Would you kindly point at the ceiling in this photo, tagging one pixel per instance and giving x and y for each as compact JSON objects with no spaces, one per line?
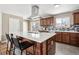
{"x":24,"y":10}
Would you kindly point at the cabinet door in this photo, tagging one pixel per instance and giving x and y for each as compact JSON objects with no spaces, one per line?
{"x":45,"y":21}
{"x":65,"y":37}
{"x":52,"y":20}
{"x":41,"y":22}
{"x":58,"y":37}
{"x":48,"y":21}
{"x":73,"y":38}
{"x":76,"y":18}
{"x":77,"y":39}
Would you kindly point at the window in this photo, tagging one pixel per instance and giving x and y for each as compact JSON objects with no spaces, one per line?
{"x":58,"y":21}
{"x":63,"y":22}
{"x":14,"y":25}
{"x":34,"y":25}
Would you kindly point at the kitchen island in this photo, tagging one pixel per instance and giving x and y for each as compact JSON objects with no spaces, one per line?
{"x":44,"y":42}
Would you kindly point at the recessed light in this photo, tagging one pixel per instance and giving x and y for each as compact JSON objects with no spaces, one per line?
{"x":56,"y":5}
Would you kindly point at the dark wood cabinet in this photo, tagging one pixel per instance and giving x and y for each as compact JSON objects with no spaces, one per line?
{"x":58,"y":37}
{"x":46,"y":21}
{"x":74,"y":39}
{"x":77,"y":39}
{"x":68,"y":38}
{"x":62,"y":37}
{"x":47,"y":47}
{"x":41,"y":22}
{"x":65,"y":37}
{"x":76,"y":18}
{"x":50,"y":21}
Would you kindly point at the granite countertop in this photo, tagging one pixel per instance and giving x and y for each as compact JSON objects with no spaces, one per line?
{"x":37,"y":37}
{"x":71,"y":31}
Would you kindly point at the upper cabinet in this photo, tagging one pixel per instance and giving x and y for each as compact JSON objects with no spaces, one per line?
{"x":46,"y":21}
{"x":76,"y":18}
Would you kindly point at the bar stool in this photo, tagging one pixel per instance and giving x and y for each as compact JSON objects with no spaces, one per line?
{"x":11,"y":44}
{"x":22,"y":45}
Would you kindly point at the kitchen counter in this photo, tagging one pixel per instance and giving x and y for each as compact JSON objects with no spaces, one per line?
{"x":44,"y":42}
{"x":71,"y":31}
{"x":37,"y":37}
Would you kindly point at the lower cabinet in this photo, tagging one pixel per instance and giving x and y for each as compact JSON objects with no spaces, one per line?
{"x":77,"y":39}
{"x":74,"y":39}
{"x":58,"y":37}
{"x":67,"y":37}
{"x":62,"y":37}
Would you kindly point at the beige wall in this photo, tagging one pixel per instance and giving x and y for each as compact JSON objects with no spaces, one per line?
{"x":27,"y":24}
{"x":5,"y":24}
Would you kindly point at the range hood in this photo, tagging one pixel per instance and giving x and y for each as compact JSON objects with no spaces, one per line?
{"x":34,"y":12}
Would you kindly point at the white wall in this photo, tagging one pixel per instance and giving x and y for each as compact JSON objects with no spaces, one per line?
{"x":0,"y":26}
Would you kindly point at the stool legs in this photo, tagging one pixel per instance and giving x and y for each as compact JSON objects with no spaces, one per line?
{"x":7,"y":47}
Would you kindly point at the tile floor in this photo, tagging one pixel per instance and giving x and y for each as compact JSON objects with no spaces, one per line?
{"x":64,"y":49}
